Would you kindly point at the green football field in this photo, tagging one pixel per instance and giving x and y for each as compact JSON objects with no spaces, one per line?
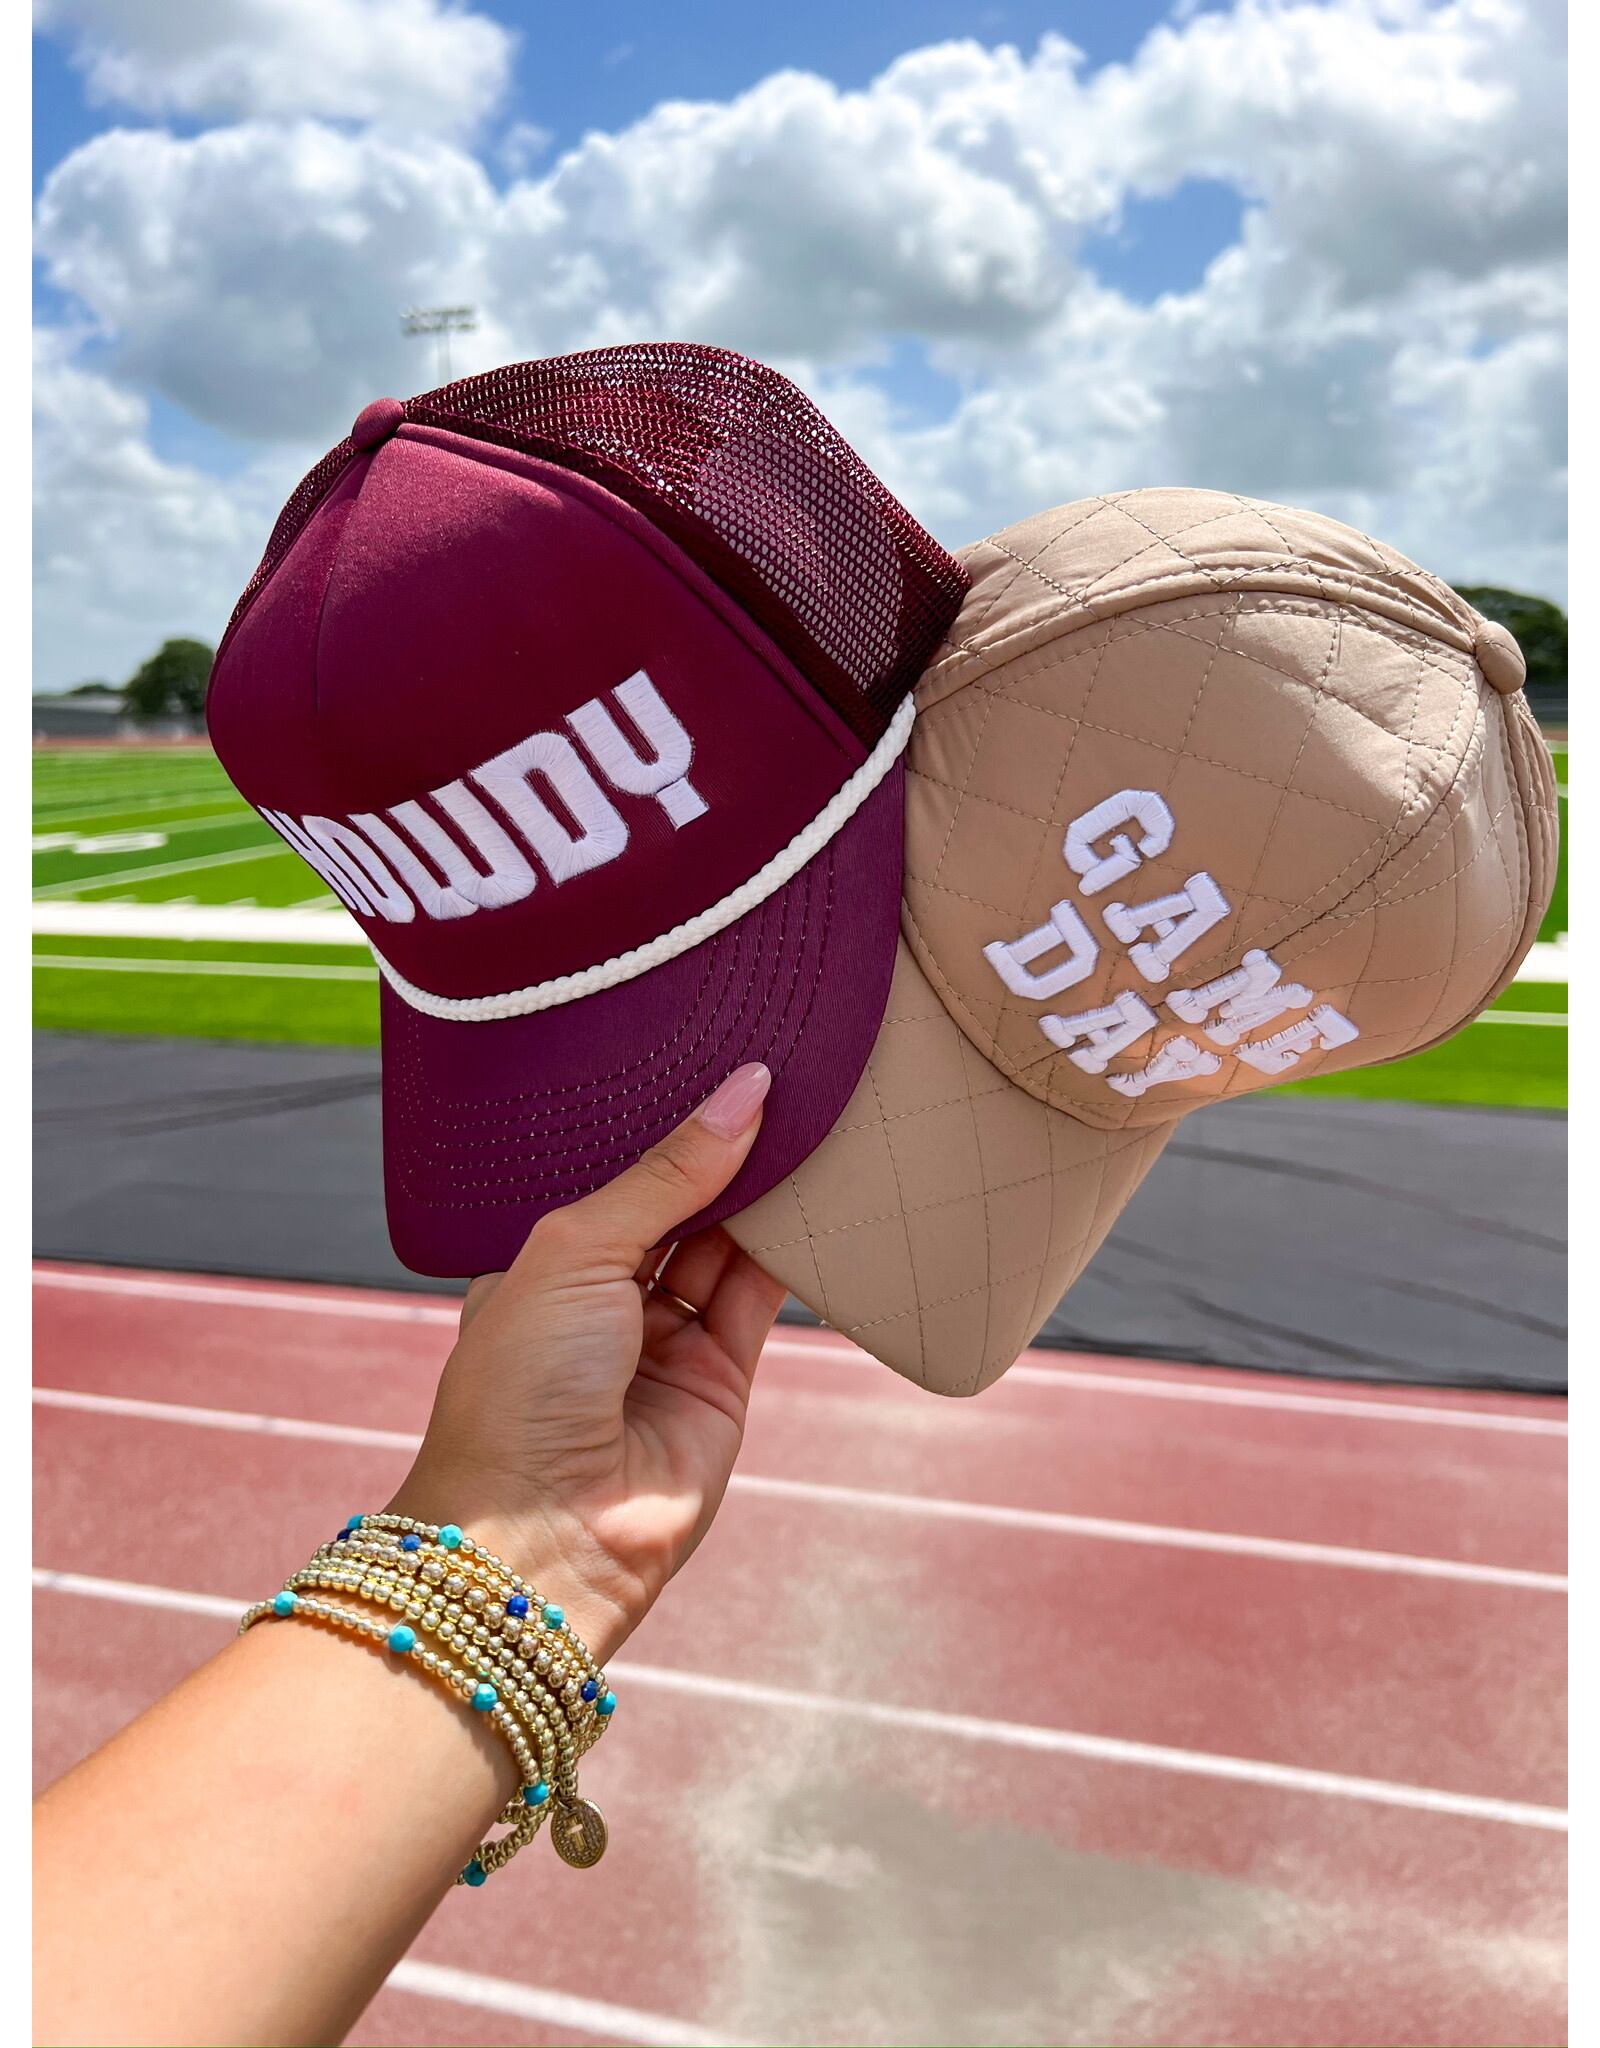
{"x":162,"y":825}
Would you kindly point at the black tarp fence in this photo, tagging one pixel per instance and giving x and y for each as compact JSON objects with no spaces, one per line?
{"x":1342,"y":1238}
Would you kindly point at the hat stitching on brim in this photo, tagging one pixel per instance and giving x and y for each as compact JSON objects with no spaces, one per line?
{"x":683,"y":1051}
{"x":1113,"y":1145}
{"x":472,"y":1132}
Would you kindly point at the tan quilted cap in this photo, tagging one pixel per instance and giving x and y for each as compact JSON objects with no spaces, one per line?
{"x":1204,"y":794}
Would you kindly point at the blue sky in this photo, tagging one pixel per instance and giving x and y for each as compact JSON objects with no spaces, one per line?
{"x":1246,"y":244}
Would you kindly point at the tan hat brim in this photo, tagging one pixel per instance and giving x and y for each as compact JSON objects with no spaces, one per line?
{"x":947,"y":1211}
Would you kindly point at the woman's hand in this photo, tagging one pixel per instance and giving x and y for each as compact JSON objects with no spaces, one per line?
{"x":584,"y":1428}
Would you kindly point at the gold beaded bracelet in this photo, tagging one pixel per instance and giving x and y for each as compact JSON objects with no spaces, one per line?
{"x":469,"y":1605}
{"x":506,"y":1652}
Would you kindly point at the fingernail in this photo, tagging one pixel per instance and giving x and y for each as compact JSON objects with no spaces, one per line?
{"x":729,"y":1111}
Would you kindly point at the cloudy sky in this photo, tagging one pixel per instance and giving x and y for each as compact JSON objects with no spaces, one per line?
{"x":1311,"y":250}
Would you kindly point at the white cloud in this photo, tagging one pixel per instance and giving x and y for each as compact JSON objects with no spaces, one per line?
{"x":407,"y":63}
{"x":1383,"y":340}
{"x":128,"y":549}
{"x":255,"y":274}
{"x":796,"y":220}
{"x":1383,"y":137}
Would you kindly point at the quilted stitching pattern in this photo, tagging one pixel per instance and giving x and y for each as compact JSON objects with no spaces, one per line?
{"x":1107,"y":555}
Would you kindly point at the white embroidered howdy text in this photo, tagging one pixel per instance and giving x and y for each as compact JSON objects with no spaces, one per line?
{"x":538,"y":807}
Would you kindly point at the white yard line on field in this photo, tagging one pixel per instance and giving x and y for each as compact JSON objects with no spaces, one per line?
{"x":1109,"y":1749}
{"x":274,"y":970}
{"x":226,"y":922}
{"x":1547,"y":961}
{"x":224,"y":808}
{"x":271,"y":850}
{"x":107,"y":825}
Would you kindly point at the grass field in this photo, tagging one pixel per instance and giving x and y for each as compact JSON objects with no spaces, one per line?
{"x":133,"y":825}
{"x":164,"y":826}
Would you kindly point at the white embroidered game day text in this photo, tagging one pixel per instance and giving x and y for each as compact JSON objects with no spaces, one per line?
{"x":1099,"y":870}
{"x":1123,"y":1022}
{"x":1066,"y":928}
{"x":1251,"y":995}
{"x":1180,"y":1059}
{"x":1323,"y":1029}
{"x":1178,"y":920}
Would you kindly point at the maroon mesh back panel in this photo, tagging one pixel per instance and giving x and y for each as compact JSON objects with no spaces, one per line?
{"x":750,"y":480}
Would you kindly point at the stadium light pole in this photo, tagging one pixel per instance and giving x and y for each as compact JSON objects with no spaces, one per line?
{"x":442,"y":322}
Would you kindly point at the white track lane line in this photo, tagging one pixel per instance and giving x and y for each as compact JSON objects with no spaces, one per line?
{"x":1043,"y":1520}
{"x":829,"y":1349}
{"x":1194,"y":1763}
{"x":1115,"y":1530}
{"x":549,"y":2008}
{"x":1075,"y":1381}
{"x":201,"y":1292}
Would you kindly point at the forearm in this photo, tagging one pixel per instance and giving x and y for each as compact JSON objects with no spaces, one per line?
{"x":247,"y":1861}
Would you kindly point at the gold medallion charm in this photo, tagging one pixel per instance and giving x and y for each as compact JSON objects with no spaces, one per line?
{"x":579,"y":1833}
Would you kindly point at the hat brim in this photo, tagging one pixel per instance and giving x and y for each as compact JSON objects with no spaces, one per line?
{"x":488,"y":1126}
{"x":947,"y":1211}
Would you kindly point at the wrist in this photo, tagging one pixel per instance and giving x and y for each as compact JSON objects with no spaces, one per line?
{"x":561,"y":1564}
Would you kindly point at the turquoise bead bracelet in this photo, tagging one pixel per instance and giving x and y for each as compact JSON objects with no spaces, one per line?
{"x":365,"y":1558}
{"x":505,"y":1652}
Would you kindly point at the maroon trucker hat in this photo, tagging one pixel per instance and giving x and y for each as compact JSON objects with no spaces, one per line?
{"x":584,"y":684}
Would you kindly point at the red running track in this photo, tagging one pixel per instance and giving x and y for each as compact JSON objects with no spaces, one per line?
{"x":1125,"y":1704}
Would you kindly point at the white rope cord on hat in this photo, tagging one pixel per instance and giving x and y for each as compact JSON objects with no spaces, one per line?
{"x":571,"y":988}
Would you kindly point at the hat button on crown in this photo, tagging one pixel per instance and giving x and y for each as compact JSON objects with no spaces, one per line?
{"x":1500,"y":658}
{"x":376,"y":422}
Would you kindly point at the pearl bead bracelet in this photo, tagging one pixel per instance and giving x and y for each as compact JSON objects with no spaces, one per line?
{"x":506,"y":1652}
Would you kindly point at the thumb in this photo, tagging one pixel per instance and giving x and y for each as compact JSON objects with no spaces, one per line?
{"x":690,"y":1167}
